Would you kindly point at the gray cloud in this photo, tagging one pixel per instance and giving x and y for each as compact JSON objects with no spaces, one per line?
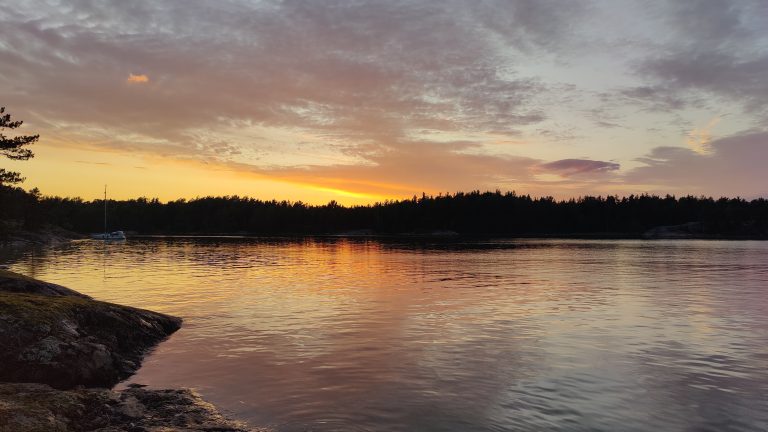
{"x":659,"y":97}
{"x":530,"y":25}
{"x":717,"y":23}
{"x":735,"y":163}
{"x":721,"y":74}
{"x":571,"y":167}
{"x":718,"y":53}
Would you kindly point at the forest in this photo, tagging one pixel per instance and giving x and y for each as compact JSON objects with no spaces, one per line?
{"x":473,"y":213}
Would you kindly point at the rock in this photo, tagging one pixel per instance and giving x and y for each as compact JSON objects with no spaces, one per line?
{"x":13,"y":234}
{"x":54,"y":341}
{"x":14,"y":282}
{"x":131,"y":407}
{"x":38,"y":407}
{"x":53,"y":335}
{"x":682,"y":231}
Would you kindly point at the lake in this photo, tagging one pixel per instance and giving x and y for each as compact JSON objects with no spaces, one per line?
{"x":393,"y":335}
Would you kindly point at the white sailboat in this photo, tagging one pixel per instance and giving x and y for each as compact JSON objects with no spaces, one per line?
{"x":114,"y":235}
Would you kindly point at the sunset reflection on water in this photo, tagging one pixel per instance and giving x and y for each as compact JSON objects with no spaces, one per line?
{"x":340,"y":334}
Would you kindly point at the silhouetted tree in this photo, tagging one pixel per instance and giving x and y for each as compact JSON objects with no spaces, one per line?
{"x":471,"y":213}
{"x":13,"y":147}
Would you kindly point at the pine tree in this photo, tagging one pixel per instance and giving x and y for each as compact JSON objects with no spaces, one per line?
{"x":13,"y":148}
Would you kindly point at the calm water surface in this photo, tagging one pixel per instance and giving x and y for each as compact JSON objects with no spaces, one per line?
{"x":536,"y":335}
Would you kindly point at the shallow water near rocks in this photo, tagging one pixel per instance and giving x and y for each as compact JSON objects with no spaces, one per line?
{"x":341,"y":334}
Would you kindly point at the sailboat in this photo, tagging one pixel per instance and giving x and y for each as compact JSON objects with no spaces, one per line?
{"x":114,"y":235}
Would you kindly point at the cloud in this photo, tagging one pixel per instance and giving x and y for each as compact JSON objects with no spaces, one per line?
{"x":658,"y":97}
{"x":735,"y":163}
{"x":713,"y":54}
{"x":361,"y":80}
{"x":366,"y":72}
{"x":93,"y":163}
{"x":571,"y":167}
{"x":717,"y":23}
{"x":373,"y":94}
{"x":414,"y":168}
{"x":699,"y":139}
{"x":137,"y":79}
{"x":720,"y":74}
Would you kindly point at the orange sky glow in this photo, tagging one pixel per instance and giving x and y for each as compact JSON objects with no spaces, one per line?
{"x":360,"y":102}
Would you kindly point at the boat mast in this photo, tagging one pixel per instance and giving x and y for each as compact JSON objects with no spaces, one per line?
{"x":105,"y":210}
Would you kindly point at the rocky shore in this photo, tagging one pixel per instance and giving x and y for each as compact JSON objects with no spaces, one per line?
{"x":688,"y":230}
{"x":14,"y":235}
{"x":61,"y":352}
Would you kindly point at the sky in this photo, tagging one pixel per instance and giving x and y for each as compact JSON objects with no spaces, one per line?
{"x":366,"y":100}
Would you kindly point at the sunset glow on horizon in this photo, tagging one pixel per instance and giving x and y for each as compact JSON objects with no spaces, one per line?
{"x":365,"y":101}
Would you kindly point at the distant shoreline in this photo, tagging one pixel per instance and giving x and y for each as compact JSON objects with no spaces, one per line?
{"x":456,"y":237}
{"x":44,"y":239}
{"x":468,"y":215}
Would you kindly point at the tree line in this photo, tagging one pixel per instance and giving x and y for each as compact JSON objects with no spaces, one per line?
{"x":472,"y":213}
